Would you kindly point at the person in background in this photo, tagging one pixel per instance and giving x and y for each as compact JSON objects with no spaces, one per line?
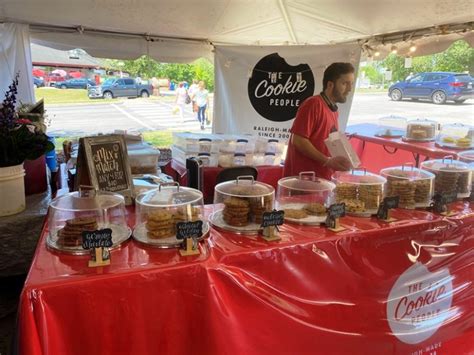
{"x":156,"y":86}
{"x":316,"y":118}
{"x":201,"y":97}
{"x":181,"y":94}
{"x":192,"y":91}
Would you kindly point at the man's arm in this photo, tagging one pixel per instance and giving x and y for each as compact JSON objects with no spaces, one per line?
{"x":305,"y":147}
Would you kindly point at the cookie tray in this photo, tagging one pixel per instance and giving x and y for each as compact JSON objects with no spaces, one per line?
{"x":140,"y":235}
{"x":119,"y":235}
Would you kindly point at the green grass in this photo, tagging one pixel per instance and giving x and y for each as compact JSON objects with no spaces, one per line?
{"x":159,"y":139}
{"x":65,"y":96}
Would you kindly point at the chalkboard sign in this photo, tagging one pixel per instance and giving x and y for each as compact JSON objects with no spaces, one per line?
{"x":387,"y":204}
{"x":273,"y":218}
{"x":101,"y":238}
{"x":440,"y":200}
{"x":188,"y":230}
{"x":103,"y":163}
{"x":337,"y":210}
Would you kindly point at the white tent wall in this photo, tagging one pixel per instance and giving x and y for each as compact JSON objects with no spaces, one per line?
{"x":240,"y":104}
{"x":15,"y":57}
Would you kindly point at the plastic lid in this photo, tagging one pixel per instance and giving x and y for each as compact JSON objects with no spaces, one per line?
{"x":359,"y":177}
{"x":306,"y":181}
{"x":445,"y":164}
{"x":87,"y":200}
{"x":408,"y":172}
{"x":467,"y":156}
{"x":422,"y":121}
{"x":169,"y":195}
{"x":244,"y":186}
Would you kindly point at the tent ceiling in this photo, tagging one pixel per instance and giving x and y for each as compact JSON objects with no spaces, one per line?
{"x":239,"y":22}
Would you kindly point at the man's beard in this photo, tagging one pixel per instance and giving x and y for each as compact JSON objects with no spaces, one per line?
{"x":339,"y":97}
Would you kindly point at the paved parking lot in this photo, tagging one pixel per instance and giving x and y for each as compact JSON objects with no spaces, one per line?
{"x":152,"y":114}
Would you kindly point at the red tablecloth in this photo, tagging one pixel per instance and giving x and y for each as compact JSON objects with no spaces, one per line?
{"x":314,"y":291}
{"x":267,"y":174}
{"x":378,"y":152}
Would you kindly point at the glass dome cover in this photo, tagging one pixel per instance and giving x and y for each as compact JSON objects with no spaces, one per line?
{"x":466,"y":156}
{"x":305,"y":198}
{"x":423,"y":130}
{"x":455,"y":135}
{"x":239,"y":205}
{"x":159,"y":211}
{"x":391,"y":126}
{"x":85,"y":210}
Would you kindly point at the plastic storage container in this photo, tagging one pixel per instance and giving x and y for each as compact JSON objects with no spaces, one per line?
{"x":361,"y":191}
{"x":233,"y":144}
{"x":468,"y":158}
{"x":158,"y":211}
{"x":451,"y":176}
{"x":195,"y":143}
{"x":85,"y":210}
{"x":209,"y":159}
{"x":420,"y":130}
{"x":456,"y":136}
{"x":239,"y":205}
{"x":304,"y":198}
{"x":414,"y":186}
{"x":391,"y":126}
{"x":143,"y":158}
{"x":265,"y":145}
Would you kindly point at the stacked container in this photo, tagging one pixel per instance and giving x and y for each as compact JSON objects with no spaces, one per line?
{"x":158,"y":211}
{"x":414,"y":186}
{"x":304,"y":198}
{"x":361,"y":191}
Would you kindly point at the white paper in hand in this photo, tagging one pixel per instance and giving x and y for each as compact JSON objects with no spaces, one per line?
{"x":339,"y":146}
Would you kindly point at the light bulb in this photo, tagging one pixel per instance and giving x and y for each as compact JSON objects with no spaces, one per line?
{"x":394,"y":50}
{"x":377,"y":54}
{"x":412,"y":48}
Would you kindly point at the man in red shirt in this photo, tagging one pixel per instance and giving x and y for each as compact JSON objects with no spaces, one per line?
{"x":315,"y":120}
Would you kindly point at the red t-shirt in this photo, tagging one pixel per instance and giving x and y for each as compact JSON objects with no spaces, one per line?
{"x":314,"y":120}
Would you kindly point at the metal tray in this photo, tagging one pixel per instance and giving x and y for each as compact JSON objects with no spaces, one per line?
{"x":120,"y":234}
{"x":140,"y":235}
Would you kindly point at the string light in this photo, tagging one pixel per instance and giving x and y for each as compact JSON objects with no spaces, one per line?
{"x":376,"y":54}
{"x":394,"y":49}
{"x":412,"y":48}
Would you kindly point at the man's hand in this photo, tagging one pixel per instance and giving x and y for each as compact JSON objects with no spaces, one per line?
{"x":338,"y":163}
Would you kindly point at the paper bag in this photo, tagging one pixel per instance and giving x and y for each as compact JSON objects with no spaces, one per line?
{"x":339,"y":145}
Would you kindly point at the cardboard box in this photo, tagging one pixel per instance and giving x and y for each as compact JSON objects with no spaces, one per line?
{"x":339,"y":145}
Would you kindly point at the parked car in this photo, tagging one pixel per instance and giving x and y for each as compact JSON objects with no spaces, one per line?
{"x":75,"y":84}
{"x":122,"y":87}
{"x":52,"y":79}
{"x":37,"y":82}
{"x":438,"y":87}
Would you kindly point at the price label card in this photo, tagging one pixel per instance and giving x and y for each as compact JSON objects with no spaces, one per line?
{"x":101,"y":238}
{"x":337,"y":210}
{"x":274,"y":218}
{"x":188,"y":230}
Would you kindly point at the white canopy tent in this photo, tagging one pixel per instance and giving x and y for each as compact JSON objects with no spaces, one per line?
{"x":181,"y":31}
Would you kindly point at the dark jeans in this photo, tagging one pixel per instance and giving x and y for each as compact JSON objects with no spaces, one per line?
{"x":202,"y":114}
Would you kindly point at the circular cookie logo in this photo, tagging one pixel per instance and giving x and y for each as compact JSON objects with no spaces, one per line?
{"x":276,"y":89}
{"x":419,"y":303}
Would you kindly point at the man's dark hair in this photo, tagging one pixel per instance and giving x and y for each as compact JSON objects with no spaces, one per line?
{"x":335,"y":70}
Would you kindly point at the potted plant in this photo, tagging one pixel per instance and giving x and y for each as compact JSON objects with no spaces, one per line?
{"x":20,"y":139}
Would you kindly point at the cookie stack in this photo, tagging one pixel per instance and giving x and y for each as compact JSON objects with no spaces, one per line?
{"x":446,"y":181}
{"x":422,"y":191}
{"x":315,"y":209}
{"x":71,"y":234}
{"x":259,"y":205}
{"x":463,"y":182}
{"x":186,"y":214}
{"x":236,"y":211}
{"x":371,"y":195}
{"x":405,"y":189}
{"x":354,"y":206}
{"x":160,"y":224}
{"x":346,"y":192}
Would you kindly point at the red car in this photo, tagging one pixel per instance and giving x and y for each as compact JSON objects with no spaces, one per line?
{"x":52,"y":78}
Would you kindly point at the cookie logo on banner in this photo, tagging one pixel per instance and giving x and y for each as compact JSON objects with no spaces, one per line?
{"x":276,"y":89}
{"x":419,"y":303}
